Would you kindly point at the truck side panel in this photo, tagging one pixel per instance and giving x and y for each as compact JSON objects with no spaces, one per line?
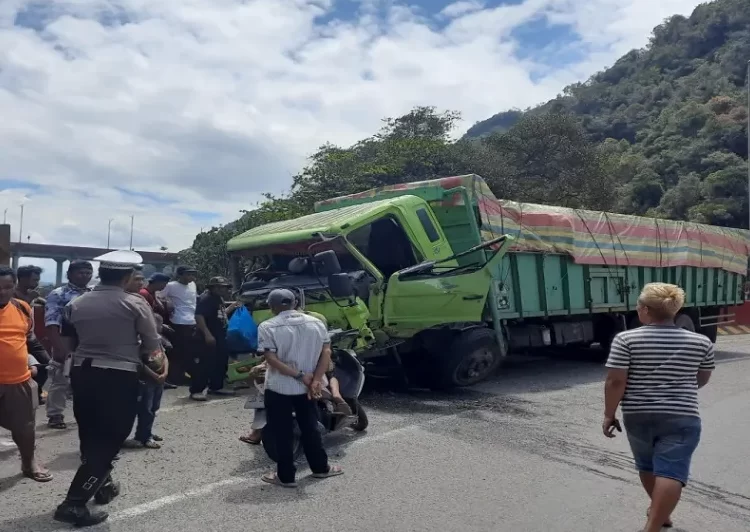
{"x":546,"y":285}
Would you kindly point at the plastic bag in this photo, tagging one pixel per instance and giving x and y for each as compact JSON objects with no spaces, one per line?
{"x":242,"y":332}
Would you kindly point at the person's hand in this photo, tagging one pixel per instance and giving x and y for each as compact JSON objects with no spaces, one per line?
{"x":167,"y":328}
{"x":610,"y":425}
{"x":316,"y":388}
{"x":234,"y":306}
{"x":161,"y":378}
{"x":210,"y":340}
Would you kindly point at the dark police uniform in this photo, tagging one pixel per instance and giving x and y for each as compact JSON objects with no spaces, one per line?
{"x":113,"y":328}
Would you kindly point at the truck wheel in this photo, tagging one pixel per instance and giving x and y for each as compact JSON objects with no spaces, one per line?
{"x":683,"y":321}
{"x":472,"y":357}
{"x":711,"y":332}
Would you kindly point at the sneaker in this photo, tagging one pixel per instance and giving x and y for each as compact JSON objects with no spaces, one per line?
{"x":170,"y":386}
{"x":198,"y":396}
{"x":156,"y":438}
{"x":132,"y":444}
{"x":57,"y":422}
{"x":151,"y":444}
{"x":79,"y":516}
{"x":221,"y":393}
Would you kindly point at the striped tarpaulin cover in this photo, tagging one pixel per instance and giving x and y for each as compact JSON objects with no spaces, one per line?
{"x":592,"y":237}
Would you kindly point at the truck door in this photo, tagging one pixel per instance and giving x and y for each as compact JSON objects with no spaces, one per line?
{"x":418,"y":301}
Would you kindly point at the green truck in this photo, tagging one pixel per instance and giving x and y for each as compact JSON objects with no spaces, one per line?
{"x":443,"y":280}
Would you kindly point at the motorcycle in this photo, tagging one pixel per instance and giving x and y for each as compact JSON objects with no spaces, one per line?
{"x":351,"y":376}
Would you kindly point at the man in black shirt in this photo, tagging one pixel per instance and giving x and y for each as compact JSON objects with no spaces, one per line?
{"x":211,"y":321}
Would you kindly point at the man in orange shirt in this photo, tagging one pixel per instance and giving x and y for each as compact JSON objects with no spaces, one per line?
{"x":18,"y":391}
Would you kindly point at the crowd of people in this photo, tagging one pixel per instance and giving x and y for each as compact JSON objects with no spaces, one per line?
{"x":119,"y":344}
{"x":114,"y":347}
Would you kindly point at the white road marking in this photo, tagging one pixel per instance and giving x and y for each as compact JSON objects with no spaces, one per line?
{"x":157,"y":504}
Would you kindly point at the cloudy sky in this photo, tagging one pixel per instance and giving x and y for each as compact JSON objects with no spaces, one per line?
{"x":182,"y":112}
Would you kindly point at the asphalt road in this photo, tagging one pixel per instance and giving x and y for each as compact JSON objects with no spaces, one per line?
{"x":523,"y":452}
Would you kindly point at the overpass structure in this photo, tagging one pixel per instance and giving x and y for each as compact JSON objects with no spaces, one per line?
{"x":158,"y":259}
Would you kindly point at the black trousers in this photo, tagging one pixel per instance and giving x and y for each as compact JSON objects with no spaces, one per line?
{"x":279,"y":410}
{"x":105,"y":403}
{"x":41,"y":377}
{"x":211,"y":369}
{"x":183,"y":353}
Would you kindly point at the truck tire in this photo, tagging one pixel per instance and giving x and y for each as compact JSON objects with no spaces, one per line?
{"x":684,"y":321}
{"x":711,"y":332}
{"x":472,"y":357}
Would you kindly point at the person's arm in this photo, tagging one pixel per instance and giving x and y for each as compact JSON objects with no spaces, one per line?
{"x":707,"y":367}
{"x":614,"y":386}
{"x":324,"y":362}
{"x":36,"y":349}
{"x":53,"y":324}
{"x":145,"y":326}
{"x":205,"y":307}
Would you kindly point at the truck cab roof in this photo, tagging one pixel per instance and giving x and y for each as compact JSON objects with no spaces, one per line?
{"x":331,"y":222}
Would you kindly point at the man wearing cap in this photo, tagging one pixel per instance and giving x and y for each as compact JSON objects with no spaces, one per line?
{"x":297,"y":349}
{"x":211,"y":320}
{"x":182,"y":295}
{"x":112,"y":328}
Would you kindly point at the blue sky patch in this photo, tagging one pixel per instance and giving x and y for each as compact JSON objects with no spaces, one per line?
{"x":14,"y":184}
{"x":202,"y":217}
{"x":154,"y":198}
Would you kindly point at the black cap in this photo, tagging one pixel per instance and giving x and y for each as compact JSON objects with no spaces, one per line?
{"x":218,"y":281}
{"x":184,"y":270}
{"x":159,"y":278}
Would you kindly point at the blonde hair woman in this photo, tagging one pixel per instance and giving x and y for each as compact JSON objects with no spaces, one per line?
{"x":654,"y":373}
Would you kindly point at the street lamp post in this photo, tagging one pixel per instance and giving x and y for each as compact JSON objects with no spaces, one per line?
{"x":109,"y":230}
{"x":132,"y":221}
{"x":20,"y":226}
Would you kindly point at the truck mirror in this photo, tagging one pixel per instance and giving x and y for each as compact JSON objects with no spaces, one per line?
{"x":327,"y":263}
{"x":340,"y":285}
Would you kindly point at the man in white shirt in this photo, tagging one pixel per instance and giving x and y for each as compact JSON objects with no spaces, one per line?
{"x":182,"y":295}
{"x":297,"y":349}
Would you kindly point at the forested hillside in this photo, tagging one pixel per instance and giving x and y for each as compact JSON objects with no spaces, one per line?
{"x":661,"y":133}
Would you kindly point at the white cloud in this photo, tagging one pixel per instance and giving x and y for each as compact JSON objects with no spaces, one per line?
{"x":209,"y":103}
{"x":461,"y":7}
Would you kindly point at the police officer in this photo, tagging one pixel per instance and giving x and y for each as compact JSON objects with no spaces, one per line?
{"x":113,"y":329}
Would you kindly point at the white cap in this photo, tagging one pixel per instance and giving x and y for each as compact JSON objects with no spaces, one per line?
{"x":122,"y":259}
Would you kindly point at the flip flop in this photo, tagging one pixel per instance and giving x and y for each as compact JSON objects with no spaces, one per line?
{"x":342,"y":408}
{"x":38,"y":476}
{"x":667,"y":524}
{"x":251,"y":441}
{"x":272,"y":478}
{"x":333,"y":471}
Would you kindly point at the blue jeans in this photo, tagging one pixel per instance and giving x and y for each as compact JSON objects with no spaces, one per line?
{"x":149,"y":401}
{"x":663,"y":444}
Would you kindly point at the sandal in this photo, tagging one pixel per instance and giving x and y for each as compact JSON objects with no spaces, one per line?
{"x":252,"y":441}
{"x":342,"y":408}
{"x":273,"y":478}
{"x":41,"y":475}
{"x":667,"y":524}
{"x":333,"y":471}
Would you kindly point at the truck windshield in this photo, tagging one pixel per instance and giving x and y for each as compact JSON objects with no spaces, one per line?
{"x":385,"y":244}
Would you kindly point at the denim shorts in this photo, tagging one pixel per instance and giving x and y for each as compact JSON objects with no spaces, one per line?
{"x":663,"y":444}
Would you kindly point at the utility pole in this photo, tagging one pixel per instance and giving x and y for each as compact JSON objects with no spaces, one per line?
{"x":109,"y":230}
{"x":5,"y":216}
{"x":20,"y":227}
{"x":748,"y":142}
{"x":132,"y":221}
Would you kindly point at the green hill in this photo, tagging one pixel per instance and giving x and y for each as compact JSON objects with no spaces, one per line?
{"x":679,"y":107}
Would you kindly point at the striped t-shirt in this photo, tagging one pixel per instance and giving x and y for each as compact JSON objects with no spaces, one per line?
{"x":662,"y":364}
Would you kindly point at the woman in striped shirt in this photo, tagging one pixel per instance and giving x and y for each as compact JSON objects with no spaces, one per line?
{"x":654,"y":373}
